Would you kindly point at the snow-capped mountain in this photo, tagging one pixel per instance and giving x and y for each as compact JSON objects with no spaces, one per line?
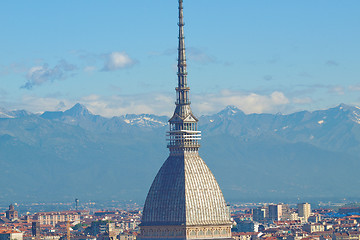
{"x":145,"y":120}
{"x":336,"y":128}
{"x":13,"y":114}
{"x":81,"y":116}
{"x":5,"y":114}
{"x":253,"y":156}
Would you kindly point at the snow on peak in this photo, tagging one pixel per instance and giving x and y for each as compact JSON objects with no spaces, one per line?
{"x":5,"y":115}
{"x":143,"y":120}
{"x":230,"y":110}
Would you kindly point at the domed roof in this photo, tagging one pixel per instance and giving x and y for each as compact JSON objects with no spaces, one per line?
{"x":185,"y":192}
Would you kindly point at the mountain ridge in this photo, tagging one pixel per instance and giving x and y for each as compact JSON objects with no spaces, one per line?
{"x":298,"y":155}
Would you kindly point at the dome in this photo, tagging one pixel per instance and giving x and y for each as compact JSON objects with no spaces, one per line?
{"x":185,"y":192}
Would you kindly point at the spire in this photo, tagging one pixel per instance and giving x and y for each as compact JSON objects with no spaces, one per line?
{"x":183,"y":134}
{"x":182,"y":89}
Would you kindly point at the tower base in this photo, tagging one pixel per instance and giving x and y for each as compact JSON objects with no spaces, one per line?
{"x":210,"y":232}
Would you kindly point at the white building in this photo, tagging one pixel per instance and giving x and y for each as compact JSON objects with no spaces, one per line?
{"x":304,"y":210}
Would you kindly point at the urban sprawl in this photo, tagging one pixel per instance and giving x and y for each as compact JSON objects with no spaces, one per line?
{"x":249,"y":222}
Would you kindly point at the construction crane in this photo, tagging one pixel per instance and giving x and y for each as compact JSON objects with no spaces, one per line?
{"x":68,"y":237}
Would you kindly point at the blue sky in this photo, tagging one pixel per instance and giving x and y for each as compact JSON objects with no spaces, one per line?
{"x":119,"y":57}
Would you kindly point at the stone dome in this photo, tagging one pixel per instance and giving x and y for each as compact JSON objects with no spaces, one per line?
{"x":185,"y":192}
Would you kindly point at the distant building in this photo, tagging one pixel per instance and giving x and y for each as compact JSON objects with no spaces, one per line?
{"x":314,"y":218}
{"x":35,"y":228}
{"x":105,"y":213}
{"x":11,"y":235}
{"x":83,"y":237}
{"x":12,"y":214}
{"x":98,"y":227}
{"x":247,"y":226}
{"x":347,"y":210}
{"x":243,"y":217}
{"x":110,"y":232}
{"x":294,"y":216}
{"x":304,"y":210}
{"x":52,"y":218}
{"x":313,"y":227}
{"x":259,"y":214}
{"x":287,"y":213}
{"x":77,"y":204}
{"x":127,"y":236}
{"x":275,"y":212}
{"x":245,"y":236}
{"x":351,"y":235}
{"x":129,"y":224}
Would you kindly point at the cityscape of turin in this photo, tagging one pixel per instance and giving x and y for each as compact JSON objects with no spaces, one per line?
{"x":96,"y":144}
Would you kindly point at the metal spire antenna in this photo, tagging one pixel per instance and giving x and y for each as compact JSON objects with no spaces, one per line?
{"x":182,"y":90}
{"x":183,"y":134}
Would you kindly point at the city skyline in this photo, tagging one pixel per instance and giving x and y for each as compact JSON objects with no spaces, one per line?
{"x":269,"y":57}
{"x":248,"y":220}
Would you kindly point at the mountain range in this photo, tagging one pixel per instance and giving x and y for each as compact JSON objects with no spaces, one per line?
{"x":59,"y":156}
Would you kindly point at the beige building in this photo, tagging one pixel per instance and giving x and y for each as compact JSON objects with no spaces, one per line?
{"x":11,"y":235}
{"x":43,"y":237}
{"x":127,"y":236}
{"x":304,"y":210}
{"x":294,"y":216}
{"x":245,"y":236}
{"x":52,"y":218}
{"x":313,"y":227}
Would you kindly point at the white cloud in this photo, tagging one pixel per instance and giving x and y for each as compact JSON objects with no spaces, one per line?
{"x":151,"y":103}
{"x":305,"y":100}
{"x":89,"y":69}
{"x":38,"y":75}
{"x":163,"y":103}
{"x":339,"y":90}
{"x":37,"y":104}
{"x":107,"y":106}
{"x":247,"y":102}
{"x":354,"y":88}
{"x":117,"y":60}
